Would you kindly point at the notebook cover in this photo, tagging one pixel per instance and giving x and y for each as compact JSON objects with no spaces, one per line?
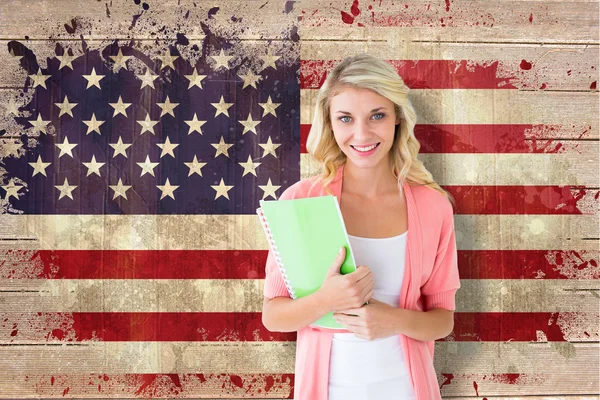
{"x":308,"y":234}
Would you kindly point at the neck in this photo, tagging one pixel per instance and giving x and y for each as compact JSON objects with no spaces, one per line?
{"x":369,"y":182}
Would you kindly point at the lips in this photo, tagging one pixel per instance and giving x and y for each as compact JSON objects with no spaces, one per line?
{"x":360,"y":148}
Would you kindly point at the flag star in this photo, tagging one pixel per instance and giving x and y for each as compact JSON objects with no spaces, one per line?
{"x":147,"y":125}
{"x":167,"y":148}
{"x":195,"y":166}
{"x":66,"y":107}
{"x":269,"y":107}
{"x":39,"y":79}
{"x":167,"y":61}
{"x":269,"y":190}
{"x":12,"y":190}
{"x":221,"y":107}
{"x":39,"y":167}
{"x":222,"y":189}
{"x":269,"y":147}
{"x":39,"y":125}
{"x":93,"y":166}
{"x":222,"y":60}
{"x":66,"y":189}
{"x":120,"y":189}
{"x":119,"y":147}
{"x":9,"y":148}
{"x":147,"y":166}
{"x":269,"y":60}
{"x":167,"y":107}
{"x":93,"y":125}
{"x":222,"y":147}
{"x":120,"y":60}
{"x":195,"y":79}
{"x":65,"y":61}
{"x":93,"y":79}
{"x":250,"y":79}
{"x":249,"y":125}
{"x":195,"y":125}
{"x":11,"y":108}
{"x":120,"y":107}
{"x":249,"y":166}
{"x":167,"y":190}
{"x":65,"y":147}
{"x":147,"y":79}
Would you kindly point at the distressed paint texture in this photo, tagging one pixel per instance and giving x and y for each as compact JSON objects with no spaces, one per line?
{"x":147,"y":306}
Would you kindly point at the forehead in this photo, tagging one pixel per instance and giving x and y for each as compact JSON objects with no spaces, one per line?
{"x":357,"y":99}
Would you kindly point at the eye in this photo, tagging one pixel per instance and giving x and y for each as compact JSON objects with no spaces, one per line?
{"x":379,"y":114}
{"x":342,"y":118}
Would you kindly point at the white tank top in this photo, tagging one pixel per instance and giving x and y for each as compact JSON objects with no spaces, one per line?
{"x":363,"y":369}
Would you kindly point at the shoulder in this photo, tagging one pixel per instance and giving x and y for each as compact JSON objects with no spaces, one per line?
{"x":432,"y":201}
{"x":303,"y":188}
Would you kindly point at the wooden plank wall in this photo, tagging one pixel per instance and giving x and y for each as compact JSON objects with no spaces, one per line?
{"x":546,"y":51}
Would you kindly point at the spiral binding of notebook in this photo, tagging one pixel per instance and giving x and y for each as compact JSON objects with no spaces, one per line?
{"x":276,"y":255}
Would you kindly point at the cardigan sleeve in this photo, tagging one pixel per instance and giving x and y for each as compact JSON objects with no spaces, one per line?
{"x":274,"y":285}
{"x":440,"y":289}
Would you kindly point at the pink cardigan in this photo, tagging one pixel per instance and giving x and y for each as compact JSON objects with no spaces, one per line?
{"x":430,"y":280}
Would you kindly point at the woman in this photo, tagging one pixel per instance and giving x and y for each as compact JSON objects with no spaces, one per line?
{"x":400,"y":226}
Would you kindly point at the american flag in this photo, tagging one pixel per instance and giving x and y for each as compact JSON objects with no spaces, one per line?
{"x":138,"y":189}
{"x":142,"y":287}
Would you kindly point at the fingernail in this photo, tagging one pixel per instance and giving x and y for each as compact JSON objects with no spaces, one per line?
{"x":341,"y":250}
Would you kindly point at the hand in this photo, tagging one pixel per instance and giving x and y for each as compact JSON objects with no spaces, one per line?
{"x":341,"y":292}
{"x":371,"y":321}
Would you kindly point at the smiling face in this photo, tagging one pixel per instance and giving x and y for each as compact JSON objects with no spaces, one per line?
{"x":363,"y":124}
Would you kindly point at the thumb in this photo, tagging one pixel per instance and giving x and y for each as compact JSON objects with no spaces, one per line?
{"x":334,"y":269}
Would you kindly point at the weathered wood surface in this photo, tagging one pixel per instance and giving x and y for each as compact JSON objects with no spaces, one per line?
{"x":558,"y":39}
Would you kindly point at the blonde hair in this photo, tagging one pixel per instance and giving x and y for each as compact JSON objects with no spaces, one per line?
{"x":368,"y":72}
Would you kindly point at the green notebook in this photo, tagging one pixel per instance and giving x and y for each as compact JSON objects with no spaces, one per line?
{"x":305,"y":236}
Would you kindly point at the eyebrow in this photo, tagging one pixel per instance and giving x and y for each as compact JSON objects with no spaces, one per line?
{"x":373,"y":110}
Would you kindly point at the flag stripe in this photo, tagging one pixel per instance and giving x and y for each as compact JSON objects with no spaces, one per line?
{"x":250,"y":264}
{"x":23,"y":328}
{"x":246,"y":295}
{"x":463,"y":74}
{"x":490,"y":106}
{"x":491,"y":138}
{"x":503,"y":169}
{"x":278,"y":357}
{"x":244,"y":232}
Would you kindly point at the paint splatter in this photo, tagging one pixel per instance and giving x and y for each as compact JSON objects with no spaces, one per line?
{"x":347,"y":18}
{"x":593,"y":85}
{"x":525,"y":65}
{"x":531,"y":18}
{"x":354,"y":9}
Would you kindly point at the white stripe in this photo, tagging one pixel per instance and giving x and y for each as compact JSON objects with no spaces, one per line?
{"x":246,"y":295}
{"x":579,"y":167}
{"x":490,"y":106}
{"x":244,"y":232}
{"x":278,"y":358}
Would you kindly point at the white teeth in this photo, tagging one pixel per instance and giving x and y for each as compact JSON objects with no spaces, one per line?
{"x":365,"y":149}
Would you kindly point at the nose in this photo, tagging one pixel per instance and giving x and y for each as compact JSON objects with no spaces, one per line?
{"x":361,"y":130}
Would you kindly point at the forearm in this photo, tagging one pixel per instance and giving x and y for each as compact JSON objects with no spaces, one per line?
{"x":283,"y":314}
{"x":423,"y":325}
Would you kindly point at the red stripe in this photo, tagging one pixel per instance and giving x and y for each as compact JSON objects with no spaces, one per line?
{"x":424,"y":74}
{"x":528,"y":264}
{"x":247,"y":327}
{"x":482,"y":138}
{"x":198,"y":264}
{"x":516,"y":200}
